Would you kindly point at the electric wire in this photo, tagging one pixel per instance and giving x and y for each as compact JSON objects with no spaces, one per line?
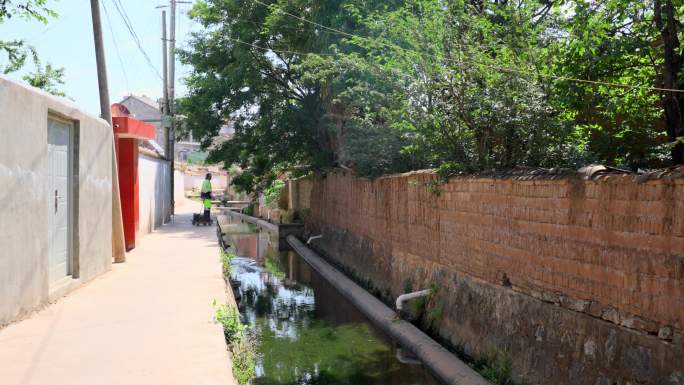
{"x":127,"y":22}
{"x":116,"y":47}
{"x":379,"y":70}
{"x":460,"y":62}
{"x":290,"y":52}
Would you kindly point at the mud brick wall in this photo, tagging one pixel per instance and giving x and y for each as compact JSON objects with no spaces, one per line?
{"x":586,"y":276}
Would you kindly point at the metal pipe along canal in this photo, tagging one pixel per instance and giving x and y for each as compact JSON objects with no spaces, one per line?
{"x":315,"y":326}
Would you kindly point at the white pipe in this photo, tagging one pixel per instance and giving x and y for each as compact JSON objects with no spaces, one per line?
{"x":314,"y":237}
{"x":408,"y":296}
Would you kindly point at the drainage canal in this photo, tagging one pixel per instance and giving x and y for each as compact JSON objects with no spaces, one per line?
{"x":308,"y":333}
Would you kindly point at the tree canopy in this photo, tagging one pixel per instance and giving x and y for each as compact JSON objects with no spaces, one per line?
{"x":459,"y":85}
{"x":17,"y":51}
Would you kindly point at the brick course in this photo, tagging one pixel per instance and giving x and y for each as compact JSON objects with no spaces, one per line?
{"x":577,"y":281}
{"x":612,"y":242}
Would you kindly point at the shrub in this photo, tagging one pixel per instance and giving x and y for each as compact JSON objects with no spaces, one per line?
{"x":272,"y":193}
{"x":244,"y":358}
{"x":249,"y":210}
{"x":229,"y":317}
{"x":226,"y":259}
{"x":241,"y":341}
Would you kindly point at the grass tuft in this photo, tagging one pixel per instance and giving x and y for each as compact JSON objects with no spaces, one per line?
{"x":241,"y":341}
{"x":226,"y":259}
{"x":496,"y":366}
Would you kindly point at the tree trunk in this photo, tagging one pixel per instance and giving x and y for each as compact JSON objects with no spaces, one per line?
{"x":672,"y":66}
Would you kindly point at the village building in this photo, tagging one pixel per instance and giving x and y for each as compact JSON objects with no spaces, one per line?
{"x":56,"y":169}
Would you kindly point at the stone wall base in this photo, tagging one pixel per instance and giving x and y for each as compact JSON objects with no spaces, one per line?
{"x":544,"y":342}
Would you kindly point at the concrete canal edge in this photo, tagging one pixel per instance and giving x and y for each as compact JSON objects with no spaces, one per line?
{"x":282,"y":229}
{"x":446,"y":366}
{"x":254,"y":220}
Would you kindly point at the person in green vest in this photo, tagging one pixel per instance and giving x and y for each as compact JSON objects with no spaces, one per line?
{"x":205,"y":194}
{"x":207,"y":209}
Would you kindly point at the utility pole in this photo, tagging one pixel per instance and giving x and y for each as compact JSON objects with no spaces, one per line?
{"x":165,"y":61}
{"x":118,"y":247}
{"x":169,"y":52}
{"x":172,"y":101}
{"x":172,"y":60}
{"x":165,"y":103}
{"x":105,"y":109}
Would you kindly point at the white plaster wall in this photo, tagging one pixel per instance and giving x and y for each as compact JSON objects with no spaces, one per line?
{"x":24,"y":197}
{"x":179,"y":187}
{"x":218,"y":182}
{"x":154,"y":193}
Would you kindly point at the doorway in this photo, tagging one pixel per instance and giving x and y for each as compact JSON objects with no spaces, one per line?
{"x":59,"y":185}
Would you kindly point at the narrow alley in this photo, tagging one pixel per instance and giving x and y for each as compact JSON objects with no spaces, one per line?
{"x":281,"y":192}
{"x":134,"y":325}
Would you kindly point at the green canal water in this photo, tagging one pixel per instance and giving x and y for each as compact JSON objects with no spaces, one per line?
{"x":308,"y":334}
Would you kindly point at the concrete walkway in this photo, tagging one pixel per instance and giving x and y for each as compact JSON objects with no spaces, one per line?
{"x":148,"y":321}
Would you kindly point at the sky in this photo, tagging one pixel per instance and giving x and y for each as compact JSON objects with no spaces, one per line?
{"x":67,"y":41}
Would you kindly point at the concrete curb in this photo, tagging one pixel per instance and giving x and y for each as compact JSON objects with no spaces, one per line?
{"x":446,"y":366}
{"x":254,"y":220}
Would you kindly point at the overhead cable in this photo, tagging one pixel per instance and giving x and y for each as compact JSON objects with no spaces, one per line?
{"x":116,"y":47}
{"x":490,"y":66}
{"x":127,"y":22}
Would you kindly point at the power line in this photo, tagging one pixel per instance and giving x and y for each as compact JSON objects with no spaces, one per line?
{"x":177,"y":22}
{"x":116,"y":46}
{"x":275,"y":49}
{"x":127,"y":22}
{"x":380,"y":70}
{"x":460,"y":62}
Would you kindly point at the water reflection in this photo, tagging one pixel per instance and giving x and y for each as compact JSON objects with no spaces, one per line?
{"x":308,"y":333}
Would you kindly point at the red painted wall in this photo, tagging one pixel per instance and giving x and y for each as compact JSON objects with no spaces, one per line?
{"x":127,"y":150}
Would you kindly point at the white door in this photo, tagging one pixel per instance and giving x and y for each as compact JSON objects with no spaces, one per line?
{"x":59,"y":186}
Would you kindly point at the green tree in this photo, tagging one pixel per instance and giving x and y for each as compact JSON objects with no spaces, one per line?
{"x":430,"y":83}
{"x":46,"y":78}
{"x":613,"y":42}
{"x":17,"y":51}
{"x":460,"y":85}
{"x":250,"y":67}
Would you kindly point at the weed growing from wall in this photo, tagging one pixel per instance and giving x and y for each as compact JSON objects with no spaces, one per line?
{"x":229,"y":317}
{"x":249,"y":210}
{"x":496,"y":367}
{"x":226,"y":259}
{"x":433,"y":186}
{"x":425,"y":311}
{"x":273,"y":266}
{"x":244,"y":359}
{"x":272,"y":193}
{"x":241,"y":341}
{"x":434,"y":309}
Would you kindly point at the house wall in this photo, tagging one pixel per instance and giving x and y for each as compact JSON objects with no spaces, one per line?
{"x":574,"y":281}
{"x":24,"y":198}
{"x":145,"y":112}
{"x":154,"y":193}
{"x":178,"y":187}
{"x":218,"y":182}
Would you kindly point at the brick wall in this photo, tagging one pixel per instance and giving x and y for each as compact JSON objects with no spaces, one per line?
{"x":610,"y":249}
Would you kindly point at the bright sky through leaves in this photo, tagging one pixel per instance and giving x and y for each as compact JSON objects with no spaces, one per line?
{"x":67,"y":41}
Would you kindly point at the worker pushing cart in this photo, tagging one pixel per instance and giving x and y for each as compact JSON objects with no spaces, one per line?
{"x":205,"y":195}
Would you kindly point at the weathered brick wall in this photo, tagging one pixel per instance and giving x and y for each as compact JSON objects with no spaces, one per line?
{"x":610,"y":249}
